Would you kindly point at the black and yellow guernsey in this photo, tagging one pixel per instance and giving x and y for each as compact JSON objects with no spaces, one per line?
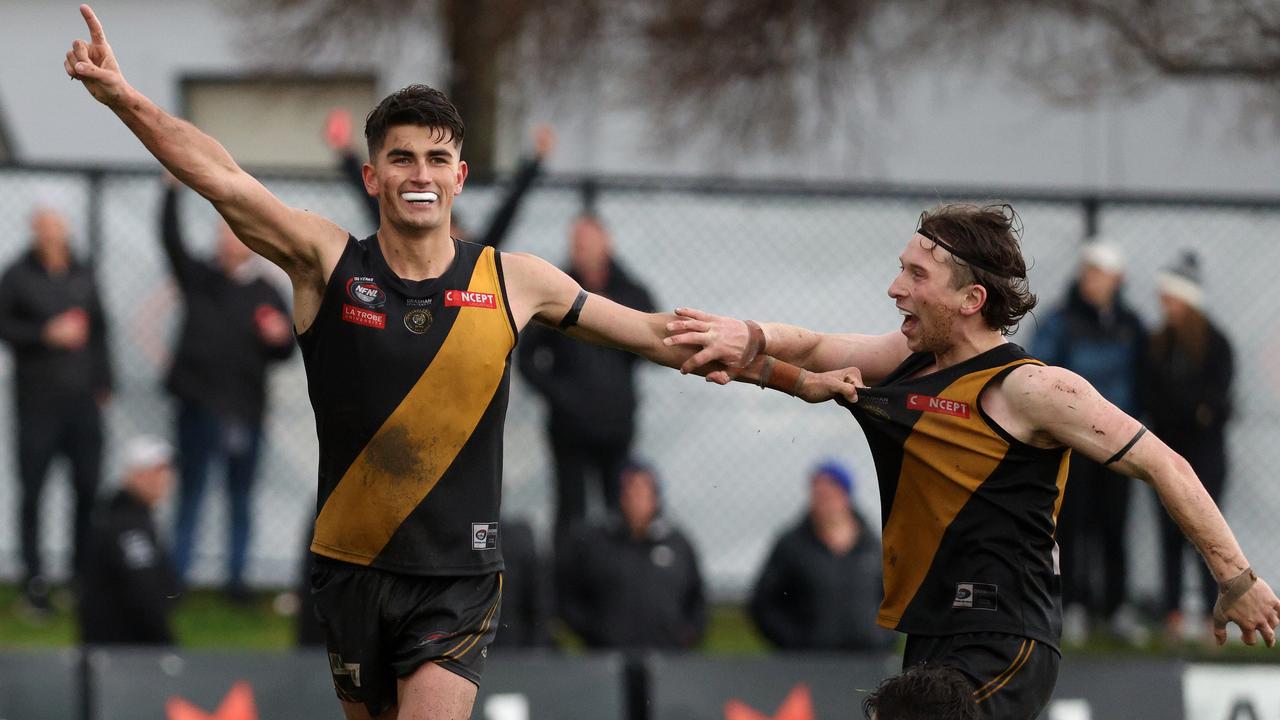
{"x":409,"y":383}
{"x":969,"y":511}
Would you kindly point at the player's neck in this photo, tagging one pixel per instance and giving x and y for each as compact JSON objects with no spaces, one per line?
{"x":416,"y":256}
{"x":969,"y":345}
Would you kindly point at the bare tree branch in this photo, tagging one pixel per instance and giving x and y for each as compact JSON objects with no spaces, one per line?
{"x":747,"y":69}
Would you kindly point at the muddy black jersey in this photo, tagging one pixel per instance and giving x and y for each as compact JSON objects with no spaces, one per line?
{"x":409,"y":383}
{"x":969,"y":512}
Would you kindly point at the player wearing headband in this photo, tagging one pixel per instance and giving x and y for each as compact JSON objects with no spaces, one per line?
{"x":971,"y":438}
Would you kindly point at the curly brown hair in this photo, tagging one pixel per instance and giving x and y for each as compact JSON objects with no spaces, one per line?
{"x":985,"y":249}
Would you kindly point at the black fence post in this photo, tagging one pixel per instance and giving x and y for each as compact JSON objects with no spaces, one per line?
{"x":93,"y":220}
{"x":1091,"y":204}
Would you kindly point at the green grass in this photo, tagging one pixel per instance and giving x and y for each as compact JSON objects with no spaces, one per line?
{"x":206,"y":620}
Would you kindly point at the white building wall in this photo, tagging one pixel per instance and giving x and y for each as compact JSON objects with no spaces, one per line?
{"x":939,"y":125}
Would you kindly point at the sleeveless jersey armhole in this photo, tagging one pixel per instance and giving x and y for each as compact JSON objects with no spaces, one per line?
{"x":995,"y":426}
{"x":506,"y":298}
{"x":307,"y":337}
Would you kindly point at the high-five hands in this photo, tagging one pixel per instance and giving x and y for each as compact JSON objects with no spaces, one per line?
{"x":94,"y":64}
{"x":727,"y":349}
{"x":723,"y":340}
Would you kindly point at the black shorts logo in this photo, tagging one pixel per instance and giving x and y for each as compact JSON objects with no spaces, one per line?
{"x":484,"y":536}
{"x":344,"y":671}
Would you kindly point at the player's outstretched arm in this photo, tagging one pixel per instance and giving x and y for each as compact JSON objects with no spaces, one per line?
{"x":541,"y":292}
{"x":293,"y":239}
{"x":1061,"y":407}
{"x":719,"y":338}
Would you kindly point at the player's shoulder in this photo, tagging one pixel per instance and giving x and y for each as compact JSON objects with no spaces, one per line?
{"x":526,"y":267}
{"x":1033,"y":386}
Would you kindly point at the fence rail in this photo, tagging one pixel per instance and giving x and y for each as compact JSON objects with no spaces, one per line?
{"x":733,"y":461}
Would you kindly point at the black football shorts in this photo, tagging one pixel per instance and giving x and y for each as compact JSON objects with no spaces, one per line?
{"x":380,"y":626}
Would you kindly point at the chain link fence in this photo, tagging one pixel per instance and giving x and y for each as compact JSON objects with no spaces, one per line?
{"x":733,"y":460}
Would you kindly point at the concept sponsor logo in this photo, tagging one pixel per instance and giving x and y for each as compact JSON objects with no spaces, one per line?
{"x":418,"y":320}
{"x":943,"y":406}
{"x":484,"y":536}
{"x":360,"y":316}
{"x":463,"y":298}
{"x":365,"y":291}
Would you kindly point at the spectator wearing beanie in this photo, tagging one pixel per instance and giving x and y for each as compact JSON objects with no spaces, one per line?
{"x":821,"y":587}
{"x":1189,"y":373}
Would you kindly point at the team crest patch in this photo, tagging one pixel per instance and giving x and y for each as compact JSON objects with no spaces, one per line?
{"x":418,"y":320}
{"x":874,"y":406}
{"x":943,"y":406}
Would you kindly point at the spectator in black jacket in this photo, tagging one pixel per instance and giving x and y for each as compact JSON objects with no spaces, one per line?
{"x":52,"y":318}
{"x":1189,"y":373}
{"x":236,"y":324}
{"x":632,"y":582}
{"x":128,"y":590}
{"x":526,"y":589}
{"x":337,"y":133}
{"x":821,"y":587}
{"x":590,"y":390}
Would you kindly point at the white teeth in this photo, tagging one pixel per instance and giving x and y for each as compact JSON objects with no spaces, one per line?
{"x":419,"y":196}
{"x":903,"y":313}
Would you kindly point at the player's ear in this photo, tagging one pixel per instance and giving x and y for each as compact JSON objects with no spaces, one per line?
{"x":370,"y":177}
{"x":975,"y":297}
{"x":462,"y":176}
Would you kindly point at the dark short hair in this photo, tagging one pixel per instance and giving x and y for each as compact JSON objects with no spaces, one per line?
{"x":419,"y":105}
{"x":923,"y":692}
{"x":987,"y":251}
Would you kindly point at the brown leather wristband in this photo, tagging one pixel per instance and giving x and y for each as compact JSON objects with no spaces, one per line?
{"x":770,"y":372}
{"x":785,"y":377}
{"x":755,"y":343}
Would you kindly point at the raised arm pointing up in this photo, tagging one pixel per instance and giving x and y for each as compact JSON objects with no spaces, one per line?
{"x":305,"y":245}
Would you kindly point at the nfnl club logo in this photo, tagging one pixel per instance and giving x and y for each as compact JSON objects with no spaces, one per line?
{"x":462,"y":298}
{"x":366,"y":292}
{"x":943,"y":406}
{"x":484,"y":536}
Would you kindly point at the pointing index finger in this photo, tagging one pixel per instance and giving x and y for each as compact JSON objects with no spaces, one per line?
{"x":95,"y":28}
